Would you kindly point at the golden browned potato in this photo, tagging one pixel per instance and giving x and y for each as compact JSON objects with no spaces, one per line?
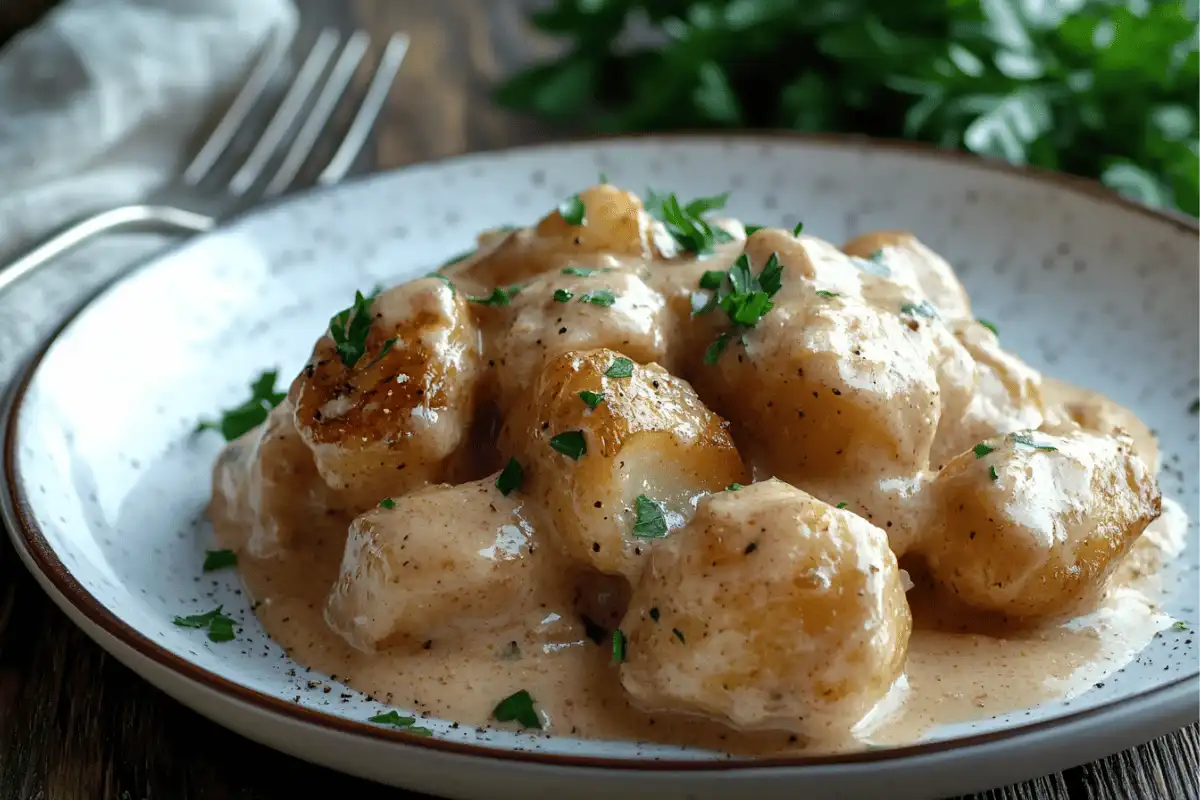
{"x":442,"y":561}
{"x":387,"y":410}
{"x":771,"y":610}
{"x":615,"y":477}
{"x":559,"y":312}
{"x":615,"y":229}
{"x":910,"y":262}
{"x":267,"y":495}
{"x":1032,"y":524}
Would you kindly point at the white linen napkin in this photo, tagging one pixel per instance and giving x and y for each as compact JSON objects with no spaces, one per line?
{"x":98,"y":104}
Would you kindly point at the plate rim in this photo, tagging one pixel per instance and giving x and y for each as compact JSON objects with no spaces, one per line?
{"x":33,"y":546}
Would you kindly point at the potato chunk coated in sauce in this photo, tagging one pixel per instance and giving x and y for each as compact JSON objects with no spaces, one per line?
{"x":649,"y":435}
{"x":1033,"y":526}
{"x":395,"y":419}
{"x":443,"y":561}
{"x":770,"y":610}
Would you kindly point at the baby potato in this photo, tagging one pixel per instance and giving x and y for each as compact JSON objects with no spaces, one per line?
{"x":442,"y":561}
{"x":615,"y":229}
{"x":771,"y":610}
{"x":910,"y":262}
{"x":1033,"y":524}
{"x":267,"y":495}
{"x":393,"y":415}
{"x":617,"y":454}
{"x":558,"y":313}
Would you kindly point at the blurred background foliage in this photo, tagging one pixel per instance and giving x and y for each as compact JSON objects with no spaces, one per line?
{"x":1099,"y":88}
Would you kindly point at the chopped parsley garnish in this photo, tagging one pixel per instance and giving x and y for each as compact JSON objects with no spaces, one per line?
{"x":685,"y":223}
{"x":618,"y":647}
{"x":678,"y":635}
{"x":219,"y":626}
{"x":599,"y":297}
{"x":753,"y":229}
{"x":650,"y":523}
{"x":733,"y":487}
{"x":460,"y":257}
{"x":993,"y":474}
{"x":592,"y":399}
{"x":991,"y":326}
{"x":510,"y":477}
{"x":743,"y":296}
{"x":827,"y":293}
{"x":387,"y":503}
{"x":500,"y":296}
{"x":982,"y":449}
{"x":517,"y":707}
{"x":350,"y":326}
{"x":571,"y":444}
{"x":581,"y":272}
{"x":1027,"y":440}
{"x":444,"y":280}
{"x":842,"y":505}
{"x":572,"y":210}
{"x":1180,"y":625}
{"x":621,"y":367}
{"x":383,"y":351}
{"x":562,"y":295}
{"x":799,"y":229}
{"x":219,"y":559}
{"x":654,"y":613}
{"x":250,"y":414}
{"x":712,"y":279}
{"x":922,"y":309}
{"x":396,"y":721}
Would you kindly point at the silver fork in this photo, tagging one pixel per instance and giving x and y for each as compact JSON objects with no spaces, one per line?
{"x":219,"y":183}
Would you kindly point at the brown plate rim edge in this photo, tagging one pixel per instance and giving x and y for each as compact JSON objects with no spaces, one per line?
{"x":27,"y":535}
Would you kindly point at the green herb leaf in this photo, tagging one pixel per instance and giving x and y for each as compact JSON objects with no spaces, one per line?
{"x":989,"y":325}
{"x":387,"y":503}
{"x":219,"y":626}
{"x":1180,"y":625}
{"x":349,"y":328}
{"x":982,"y":449}
{"x":650,"y":523}
{"x":799,"y":229}
{"x":219,"y":559}
{"x":591,"y":398}
{"x":678,"y":635}
{"x":733,"y":487}
{"x":463,"y":256}
{"x":510,"y":477}
{"x":572,"y":210}
{"x":1027,"y":440}
{"x":517,"y":707}
{"x":712,"y":279}
{"x":841,"y":505}
{"x":599,"y":297}
{"x":621,"y":367}
{"x":500,"y":296}
{"x":383,"y":351}
{"x":239,"y":420}
{"x":571,"y":444}
{"x":752,"y":229}
{"x":827,"y":293}
{"x":713,"y":353}
{"x":562,"y":295}
{"x":394,"y":719}
{"x":993,"y":474}
{"x":618,"y":647}
{"x":686,"y":224}
{"x":444,"y":280}
{"x":581,"y":272}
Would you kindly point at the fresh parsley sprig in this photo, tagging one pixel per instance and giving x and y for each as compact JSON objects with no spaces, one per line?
{"x":239,"y":420}
{"x":743,"y":296}
{"x":350,"y":326}
{"x":685,"y":221}
{"x":218,"y":625}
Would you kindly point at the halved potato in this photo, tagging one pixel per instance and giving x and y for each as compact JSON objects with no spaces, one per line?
{"x":647,"y":451}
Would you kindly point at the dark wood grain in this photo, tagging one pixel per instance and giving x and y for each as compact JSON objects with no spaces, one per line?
{"x":75,"y":725}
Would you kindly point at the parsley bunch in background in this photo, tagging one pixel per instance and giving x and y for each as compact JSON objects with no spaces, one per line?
{"x":1098,"y":88}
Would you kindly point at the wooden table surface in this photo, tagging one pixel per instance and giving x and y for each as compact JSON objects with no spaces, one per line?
{"x":76,"y":725}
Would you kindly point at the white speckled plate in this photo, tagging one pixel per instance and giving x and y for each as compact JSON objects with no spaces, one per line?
{"x":106,"y":489}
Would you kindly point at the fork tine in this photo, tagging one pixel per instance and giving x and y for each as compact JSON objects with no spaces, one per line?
{"x":372,"y":104}
{"x":273,"y":52}
{"x":327,"y":100}
{"x":289,"y":110}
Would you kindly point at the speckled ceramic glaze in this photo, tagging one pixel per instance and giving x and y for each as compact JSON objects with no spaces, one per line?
{"x":108,"y":487}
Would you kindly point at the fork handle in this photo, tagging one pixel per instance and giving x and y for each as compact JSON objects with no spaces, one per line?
{"x":146,"y":218}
